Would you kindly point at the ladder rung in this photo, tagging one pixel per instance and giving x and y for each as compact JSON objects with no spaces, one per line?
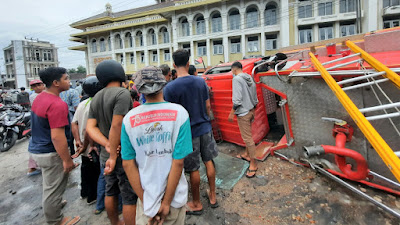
{"x":365,"y":84}
{"x":343,"y":64}
{"x":340,"y":59}
{"x":383,"y":116}
{"x":360,"y":78}
{"x":380,"y":107}
{"x":397,"y":153}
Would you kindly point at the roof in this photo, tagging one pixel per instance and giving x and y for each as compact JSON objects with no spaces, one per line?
{"x":127,"y":12}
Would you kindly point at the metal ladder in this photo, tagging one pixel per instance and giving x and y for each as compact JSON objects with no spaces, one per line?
{"x":389,"y":157}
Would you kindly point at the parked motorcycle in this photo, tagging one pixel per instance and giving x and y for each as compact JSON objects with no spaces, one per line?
{"x":15,"y":124}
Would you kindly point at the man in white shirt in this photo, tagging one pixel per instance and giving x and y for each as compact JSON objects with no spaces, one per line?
{"x":155,"y":139}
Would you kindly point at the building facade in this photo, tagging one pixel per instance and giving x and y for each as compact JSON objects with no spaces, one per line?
{"x":24,"y":59}
{"x":222,"y":31}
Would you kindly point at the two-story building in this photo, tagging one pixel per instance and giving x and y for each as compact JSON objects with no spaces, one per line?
{"x":221,"y":31}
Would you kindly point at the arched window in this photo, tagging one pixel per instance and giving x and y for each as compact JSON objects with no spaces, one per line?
{"x":216,"y":21}
{"x":164,"y":35}
{"x":234,"y":19}
{"x":109,"y":44}
{"x":94,"y":45}
{"x":251,"y":17}
{"x":271,"y":14}
{"x":118,"y":42}
{"x":152,"y":37}
{"x":102,"y":45}
{"x":139,"y":38}
{"x":185,"y":29}
{"x":200,"y":24}
{"x":128,"y":40}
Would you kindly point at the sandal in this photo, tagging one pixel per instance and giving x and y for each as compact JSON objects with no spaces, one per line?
{"x":251,"y":171}
{"x":242,"y":158}
{"x":189,"y":211}
{"x":72,"y":221}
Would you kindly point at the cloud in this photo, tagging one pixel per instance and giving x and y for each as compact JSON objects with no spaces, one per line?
{"x":49,"y":20}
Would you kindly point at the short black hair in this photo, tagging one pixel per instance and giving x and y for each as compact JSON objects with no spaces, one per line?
{"x":237,"y":64}
{"x":181,"y":57}
{"x":192,"y":69}
{"x":134,"y":94}
{"x":22,"y":89}
{"x":51,"y":74}
{"x":165,"y":69}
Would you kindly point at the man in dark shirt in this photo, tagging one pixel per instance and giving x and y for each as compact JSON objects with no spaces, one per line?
{"x":23,"y":98}
{"x":48,"y":145}
{"x":192,"y":93}
{"x":107,"y":109}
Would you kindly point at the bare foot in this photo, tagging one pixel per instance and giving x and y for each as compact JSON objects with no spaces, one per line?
{"x":194,"y":207}
{"x":121,"y":222}
{"x":212,"y":197}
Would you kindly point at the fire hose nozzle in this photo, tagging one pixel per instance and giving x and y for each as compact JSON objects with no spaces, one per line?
{"x":310,"y":151}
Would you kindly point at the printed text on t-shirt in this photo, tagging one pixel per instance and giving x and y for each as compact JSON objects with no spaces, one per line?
{"x":153,"y":116}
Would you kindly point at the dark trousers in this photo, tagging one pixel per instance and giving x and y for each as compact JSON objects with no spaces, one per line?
{"x":89,"y":175}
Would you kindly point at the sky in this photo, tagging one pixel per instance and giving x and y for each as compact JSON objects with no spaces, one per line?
{"x":49,"y":20}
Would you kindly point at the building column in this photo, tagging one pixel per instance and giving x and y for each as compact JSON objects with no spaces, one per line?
{"x":89,"y":60}
{"x":372,"y":15}
{"x":174,"y":31}
{"x":315,"y":30}
{"x":225,"y":40}
{"x":336,"y":29}
{"x":158,"y":56}
{"x":135,"y":59}
{"x":207,"y":22}
{"x":146,"y":49}
{"x":124,"y":60}
{"x":112,"y":46}
{"x":243,"y":44}
{"x":190,"y":20}
{"x":208,"y":52}
{"x":171,"y":61}
{"x":284,"y":23}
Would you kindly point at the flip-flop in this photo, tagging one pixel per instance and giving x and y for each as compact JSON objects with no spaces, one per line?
{"x":242,"y":158}
{"x":189,"y":211}
{"x":251,"y":171}
{"x":215,"y":205}
{"x":72,"y":221}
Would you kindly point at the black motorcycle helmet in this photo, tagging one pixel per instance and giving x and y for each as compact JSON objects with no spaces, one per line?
{"x":91,"y":86}
{"x":110,"y":70}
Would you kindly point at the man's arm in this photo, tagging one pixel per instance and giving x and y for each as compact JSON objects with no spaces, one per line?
{"x":95,"y":133}
{"x":173,"y":180}
{"x":132,"y":172}
{"x":114,"y":140}
{"x":208,"y":107}
{"x":61,"y":145}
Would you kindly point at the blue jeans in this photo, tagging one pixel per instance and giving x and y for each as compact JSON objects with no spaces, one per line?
{"x":101,"y":192}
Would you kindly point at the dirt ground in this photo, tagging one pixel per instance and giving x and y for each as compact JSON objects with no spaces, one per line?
{"x":281,"y":193}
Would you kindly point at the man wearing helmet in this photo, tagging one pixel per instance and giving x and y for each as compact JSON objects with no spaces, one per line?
{"x":90,"y":167}
{"x":106,"y":112}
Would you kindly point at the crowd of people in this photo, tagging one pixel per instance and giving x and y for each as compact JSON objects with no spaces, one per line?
{"x":136,"y":139}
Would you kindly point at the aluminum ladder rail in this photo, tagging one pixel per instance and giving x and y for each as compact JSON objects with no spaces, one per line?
{"x":381,"y":147}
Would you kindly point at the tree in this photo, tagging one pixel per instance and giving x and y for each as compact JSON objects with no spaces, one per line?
{"x":81,"y":69}
{"x":72,"y":70}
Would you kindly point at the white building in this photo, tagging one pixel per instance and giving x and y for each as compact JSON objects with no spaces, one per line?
{"x":24,"y":59}
{"x":222,"y":31}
